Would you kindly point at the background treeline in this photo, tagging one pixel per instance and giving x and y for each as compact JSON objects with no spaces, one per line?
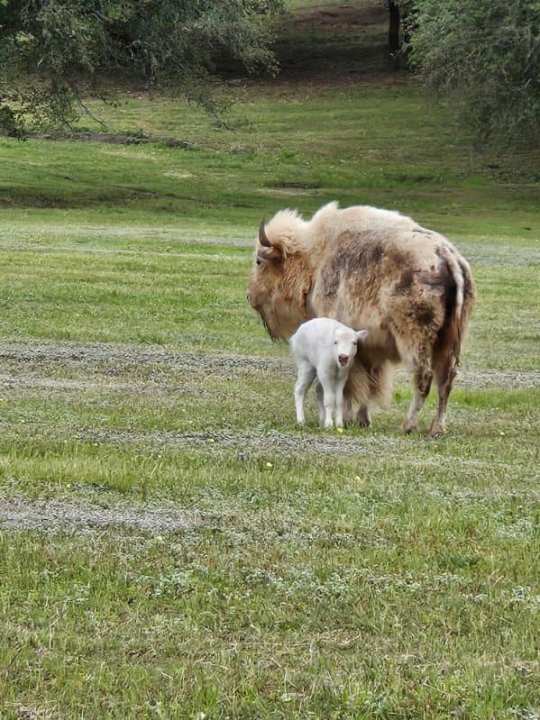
{"x":484,"y":54}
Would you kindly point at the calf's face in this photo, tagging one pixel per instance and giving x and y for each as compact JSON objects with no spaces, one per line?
{"x":346,"y":345}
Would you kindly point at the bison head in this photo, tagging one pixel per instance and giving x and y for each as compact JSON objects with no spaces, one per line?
{"x":281,"y":277}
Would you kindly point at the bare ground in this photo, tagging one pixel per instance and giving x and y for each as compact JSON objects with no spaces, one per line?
{"x":333,"y":45}
{"x":56,"y":516}
{"x":344,"y":16}
{"x":121,"y":357}
{"x":117,"y":139}
{"x":246,"y":444}
{"x":26,"y":363}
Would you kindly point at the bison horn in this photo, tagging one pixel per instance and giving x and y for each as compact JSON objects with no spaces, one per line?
{"x":263,"y":239}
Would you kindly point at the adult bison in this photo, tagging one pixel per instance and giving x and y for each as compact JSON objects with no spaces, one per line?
{"x":373,"y":269}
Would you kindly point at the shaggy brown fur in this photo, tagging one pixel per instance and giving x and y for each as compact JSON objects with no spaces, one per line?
{"x":373,"y":269}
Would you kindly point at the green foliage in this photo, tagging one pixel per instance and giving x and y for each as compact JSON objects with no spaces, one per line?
{"x":485,"y":54}
{"x":50,"y":51}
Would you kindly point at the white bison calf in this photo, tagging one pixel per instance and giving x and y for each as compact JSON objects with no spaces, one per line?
{"x":324,"y":348}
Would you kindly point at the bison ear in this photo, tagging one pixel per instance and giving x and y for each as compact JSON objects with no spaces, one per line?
{"x":361,"y":335}
{"x":272,"y":253}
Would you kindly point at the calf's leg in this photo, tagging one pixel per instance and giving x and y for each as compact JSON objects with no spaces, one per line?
{"x":339,"y":402}
{"x":306,"y":375}
{"x":320,"y":400}
{"x":329,"y":394}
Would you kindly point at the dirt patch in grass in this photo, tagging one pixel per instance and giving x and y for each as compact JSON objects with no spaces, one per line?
{"x":343,"y":17}
{"x":49,"y":387}
{"x":247,"y":445}
{"x":121,"y":357}
{"x":507,"y":379}
{"x":112,"y":138}
{"x":330,"y":45}
{"x":28,"y":360}
{"x":57,"y":516}
{"x":290,"y":191}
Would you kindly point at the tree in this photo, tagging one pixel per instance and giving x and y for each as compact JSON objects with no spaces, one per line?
{"x":485,"y":55}
{"x":51,"y":50}
{"x":398,"y":29}
{"x":394,"y":28}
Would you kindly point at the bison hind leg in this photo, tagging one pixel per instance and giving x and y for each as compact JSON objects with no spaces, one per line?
{"x":445,"y":372}
{"x":422,"y":379}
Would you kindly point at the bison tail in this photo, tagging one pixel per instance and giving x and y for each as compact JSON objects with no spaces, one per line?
{"x":460,"y":298}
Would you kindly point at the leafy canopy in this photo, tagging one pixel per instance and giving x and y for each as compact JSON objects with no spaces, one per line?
{"x":485,"y":54}
{"x":49,"y":49}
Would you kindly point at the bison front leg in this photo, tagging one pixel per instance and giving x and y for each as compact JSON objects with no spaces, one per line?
{"x":369,"y":386}
{"x":347,"y":410}
{"x":363,"y":417}
{"x":378,"y":386}
{"x":348,"y":416}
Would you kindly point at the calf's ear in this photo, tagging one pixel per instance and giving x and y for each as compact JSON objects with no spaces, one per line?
{"x":361,"y":335}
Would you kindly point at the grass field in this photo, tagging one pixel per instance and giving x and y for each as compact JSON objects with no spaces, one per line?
{"x":171,"y":545}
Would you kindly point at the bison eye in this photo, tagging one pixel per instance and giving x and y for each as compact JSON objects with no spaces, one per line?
{"x":258,"y":261}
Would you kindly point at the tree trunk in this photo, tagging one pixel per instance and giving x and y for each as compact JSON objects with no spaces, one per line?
{"x":394,"y":31}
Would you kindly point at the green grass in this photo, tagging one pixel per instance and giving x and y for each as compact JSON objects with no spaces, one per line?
{"x":397,"y":578}
{"x":320,"y":589}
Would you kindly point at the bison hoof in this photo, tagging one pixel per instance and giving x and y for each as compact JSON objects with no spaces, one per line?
{"x":436,"y":430}
{"x":409,"y":427}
